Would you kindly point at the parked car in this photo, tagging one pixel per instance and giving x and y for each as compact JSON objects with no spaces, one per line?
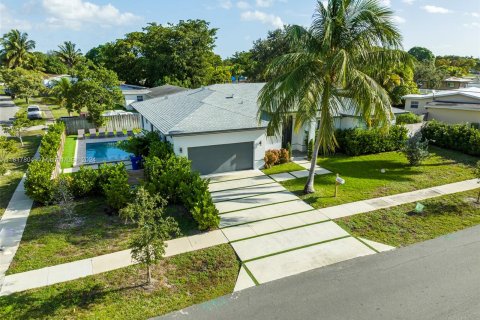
{"x":34,"y":112}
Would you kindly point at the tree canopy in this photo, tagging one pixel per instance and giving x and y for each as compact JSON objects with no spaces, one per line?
{"x":180,"y":54}
{"x":16,"y":48}
{"x":422,"y":54}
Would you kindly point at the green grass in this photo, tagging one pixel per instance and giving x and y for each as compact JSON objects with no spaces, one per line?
{"x":402,"y":226}
{"x":18,"y":165}
{"x":49,"y":240}
{"x":285,"y":167}
{"x":183,"y":280}
{"x":364,"y":179}
{"x":69,"y":152}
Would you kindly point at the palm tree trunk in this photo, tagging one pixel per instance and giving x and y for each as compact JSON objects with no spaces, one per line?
{"x":309,"y":188}
{"x":478,"y":197}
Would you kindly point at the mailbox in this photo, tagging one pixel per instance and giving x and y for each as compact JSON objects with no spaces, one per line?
{"x":340,"y":180}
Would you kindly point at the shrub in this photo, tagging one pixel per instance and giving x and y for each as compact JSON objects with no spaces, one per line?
{"x":63,"y":197}
{"x":160,"y":149}
{"x":38,"y":183}
{"x":358,"y":141}
{"x":84,"y":181}
{"x":113,"y":181}
{"x":174,"y":180}
{"x":416,"y":149}
{"x":460,"y":137}
{"x":284,"y":156}
{"x":272,"y":157}
{"x":51,"y":141}
{"x":8,"y":145}
{"x":145,"y":143}
{"x":408,"y":118}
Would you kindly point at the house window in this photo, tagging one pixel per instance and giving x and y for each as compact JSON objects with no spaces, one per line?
{"x":451,"y":85}
{"x":139,"y":98}
{"x":414,"y":104}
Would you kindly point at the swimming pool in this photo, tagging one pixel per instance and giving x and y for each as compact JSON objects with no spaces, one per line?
{"x":99,"y":152}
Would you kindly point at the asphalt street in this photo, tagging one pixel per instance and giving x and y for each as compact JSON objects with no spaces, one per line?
{"x":437,"y":279}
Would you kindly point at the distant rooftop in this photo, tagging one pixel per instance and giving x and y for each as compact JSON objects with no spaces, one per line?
{"x":473,"y":92}
{"x":164,"y":90}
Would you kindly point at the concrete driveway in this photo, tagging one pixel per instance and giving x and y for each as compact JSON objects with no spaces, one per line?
{"x":274,"y":233}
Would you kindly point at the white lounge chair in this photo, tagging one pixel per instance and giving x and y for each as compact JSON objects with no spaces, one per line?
{"x":93,"y":133}
{"x":81,"y":134}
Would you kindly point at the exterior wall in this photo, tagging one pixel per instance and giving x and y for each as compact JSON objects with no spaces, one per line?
{"x":350,"y":123}
{"x":454,"y":116}
{"x":131,"y":98}
{"x":421,"y":105}
{"x":261,"y":142}
{"x":450,"y":85}
{"x":146,"y":125}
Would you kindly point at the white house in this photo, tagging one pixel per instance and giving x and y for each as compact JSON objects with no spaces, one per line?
{"x":133,"y":93}
{"x":452,"y":106}
{"x":217,"y":126}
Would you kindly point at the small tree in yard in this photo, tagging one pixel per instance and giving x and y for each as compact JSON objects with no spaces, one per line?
{"x":19,"y":126}
{"x":153,"y":229}
{"x":64,"y":198}
{"x":416,"y":149}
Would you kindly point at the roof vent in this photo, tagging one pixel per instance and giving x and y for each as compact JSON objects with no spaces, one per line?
{"x":230,"y":96}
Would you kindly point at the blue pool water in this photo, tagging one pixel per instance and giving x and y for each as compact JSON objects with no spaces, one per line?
{"x":105,"y":152}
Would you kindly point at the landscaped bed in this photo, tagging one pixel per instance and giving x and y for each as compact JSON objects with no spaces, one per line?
{"x":364,"y":179}
{"x":183,"y":280}
{"x":8,"y":183}
{"x":50,"y":238}
{"x":284,"y":167}
{"x":402,"y":225}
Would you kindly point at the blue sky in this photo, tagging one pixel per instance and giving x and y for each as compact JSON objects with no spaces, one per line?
{"x":444,"y":26}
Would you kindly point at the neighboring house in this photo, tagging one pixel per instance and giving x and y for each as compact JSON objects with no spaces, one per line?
{"x":452,"y":106}
{"x":133,"y":93}
{"x":51,"y":80}
{"x":217,"y":127}
{"x":455,"y":83}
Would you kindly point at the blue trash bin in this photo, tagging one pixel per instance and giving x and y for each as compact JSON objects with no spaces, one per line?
{"x":136,"y":162}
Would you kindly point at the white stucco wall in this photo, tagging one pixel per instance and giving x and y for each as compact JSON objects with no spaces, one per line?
{"x":421,"y":105}
{"x":131,"y":98}
{"x":454,"y":116}
{"x":261,"y":142}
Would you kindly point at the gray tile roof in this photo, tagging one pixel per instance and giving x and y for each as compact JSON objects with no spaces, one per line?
{"x":164,"y":90}
{"x":220,"y":107}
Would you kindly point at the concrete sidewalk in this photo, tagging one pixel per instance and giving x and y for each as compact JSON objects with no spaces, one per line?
{"x":108,"y":262}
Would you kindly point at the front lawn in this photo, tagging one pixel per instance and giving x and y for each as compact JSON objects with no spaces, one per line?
{"x":18,"y":165}
{"x":49,"y":240}
{"x":285,"y":167}
{"x":69,"y":152}
{"x":402,"y":226}
{"x":183,"y":280}
{"x":364,"y":179}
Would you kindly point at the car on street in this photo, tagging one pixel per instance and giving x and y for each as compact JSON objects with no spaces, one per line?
{"x":34,"y":112}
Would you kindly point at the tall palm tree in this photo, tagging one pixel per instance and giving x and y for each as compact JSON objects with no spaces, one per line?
{"x":331,"y":69}
{"x":16,"y":47}
{"x":69,"y":54}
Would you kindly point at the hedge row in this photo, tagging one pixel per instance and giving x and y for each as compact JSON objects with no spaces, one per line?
{"x":38,"y":183}
{"x":173,"y":178}
{"x":408,"y":118}
{"x":460,"y":137}
{"x":358,"y":141}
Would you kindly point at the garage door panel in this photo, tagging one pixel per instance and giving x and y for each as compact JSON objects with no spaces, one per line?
{"x":222,"y":158}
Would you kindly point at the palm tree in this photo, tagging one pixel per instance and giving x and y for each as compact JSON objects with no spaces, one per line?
{"x":69,"y":54}
{"x":16,"y":47}
{"x":331,"y":68}
{"x":61,"y":91}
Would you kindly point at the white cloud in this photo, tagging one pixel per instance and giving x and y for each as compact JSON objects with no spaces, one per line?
{"x":435,"y":9}
{"x":410,"y":2}
{"x":475,"y":14}
{"x":265,"y":18}
{"x":225,"y":4}
{"x":74,"y":13}
{"x":264,"y":3}
{"x":472,"y":25}
{"x":398,"y":19}
{"x":243,"y":5}
{"x":8,"y":21}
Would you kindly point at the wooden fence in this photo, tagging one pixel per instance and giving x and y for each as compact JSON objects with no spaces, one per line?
{"x":115,"y":122}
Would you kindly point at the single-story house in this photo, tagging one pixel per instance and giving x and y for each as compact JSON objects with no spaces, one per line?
{"x":452,"y":106}
{"x":217,"y":127}
{"x":133,"y":93}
